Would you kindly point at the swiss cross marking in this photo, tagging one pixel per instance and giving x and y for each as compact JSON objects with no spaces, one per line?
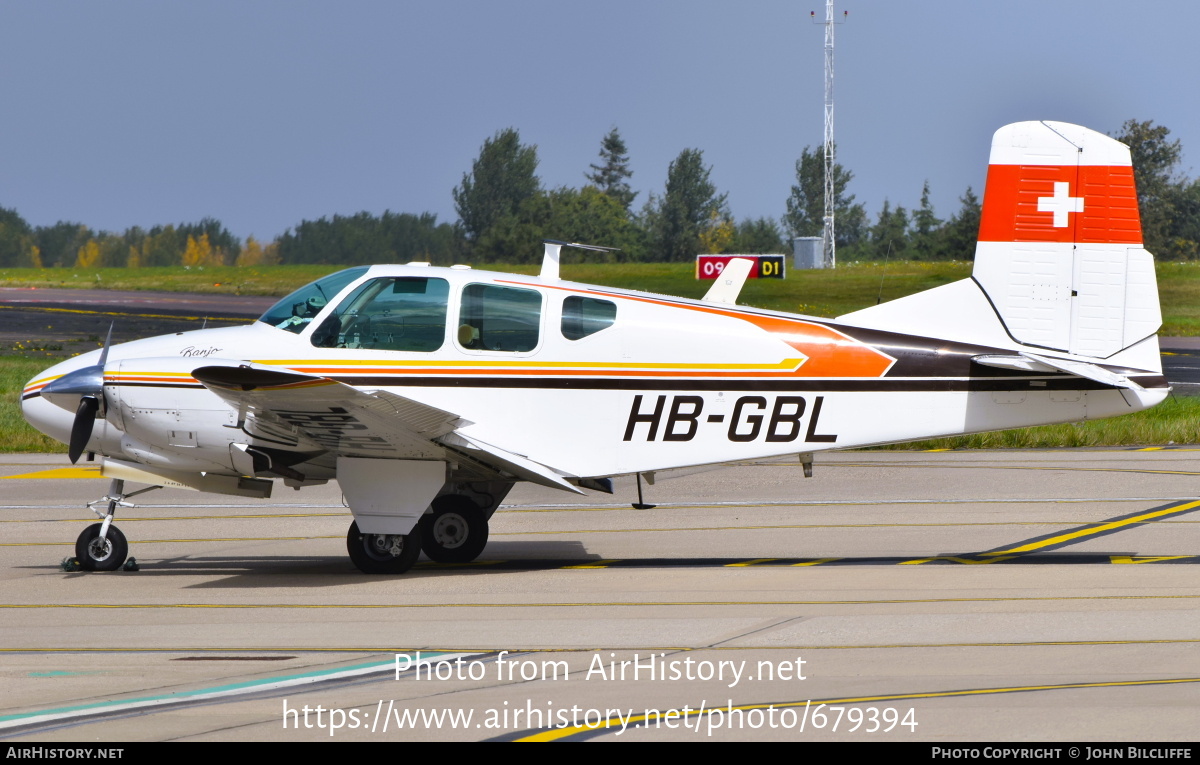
{"x":1061,"y":203}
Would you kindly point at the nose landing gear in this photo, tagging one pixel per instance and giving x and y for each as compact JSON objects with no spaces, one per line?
{"x":102,"y":546}
{"x":100,"y":549}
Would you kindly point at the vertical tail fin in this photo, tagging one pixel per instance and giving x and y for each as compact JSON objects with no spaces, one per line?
{"x":1060,"y":253}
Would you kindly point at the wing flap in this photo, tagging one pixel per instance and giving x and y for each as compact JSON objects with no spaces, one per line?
{"x":521,"y":467}
{"x":423,"y":419}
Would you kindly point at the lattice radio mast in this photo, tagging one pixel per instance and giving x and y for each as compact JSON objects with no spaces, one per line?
{"x":827,"y":234}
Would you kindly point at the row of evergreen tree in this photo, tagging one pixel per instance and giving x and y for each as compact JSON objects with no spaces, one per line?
{"x":504,"y":213}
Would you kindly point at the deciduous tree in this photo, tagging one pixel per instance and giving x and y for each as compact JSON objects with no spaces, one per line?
{"x":252,"y":253}
{"x":575,"y":215}
{"x":17,"y":246}
{"x":89,"y":255}
{"x":686,"y":209}
{"x":501,"y":178}
{"x":366,"y":238}
{"x":718,"y":234}
{"x":199,"y":252}
{"x":59,"y":244}
{"x":758,"y":236}
{"x":1161,"y":190}
{"x":805,"y":214}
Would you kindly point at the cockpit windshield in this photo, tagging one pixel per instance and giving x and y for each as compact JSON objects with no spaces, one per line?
{"x":391,"y":313}
{"x":298,"y":309}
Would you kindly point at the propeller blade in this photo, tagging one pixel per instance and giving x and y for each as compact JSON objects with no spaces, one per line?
{"x":81,"y":429}
{"x":107,"y":343}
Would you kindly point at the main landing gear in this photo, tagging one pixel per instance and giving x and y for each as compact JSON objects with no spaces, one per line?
{"x":383,"y":553}
{"x":454,"y":531}
{"x":102,"y":546}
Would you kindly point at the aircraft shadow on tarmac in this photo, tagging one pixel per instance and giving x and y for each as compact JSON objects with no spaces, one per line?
{"x":330,"y":571}
{"x":333,"y":571}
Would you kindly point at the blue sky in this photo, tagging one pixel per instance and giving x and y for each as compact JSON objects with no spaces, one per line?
{"x":264,"y":113}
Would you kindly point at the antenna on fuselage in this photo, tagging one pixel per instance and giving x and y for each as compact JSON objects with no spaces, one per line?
{"x":729,"y":282}
{"x":551,"y":257}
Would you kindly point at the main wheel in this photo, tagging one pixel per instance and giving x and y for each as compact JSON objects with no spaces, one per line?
{"x":383,"y":553}
{"x":95,"y":555}
{"x":455,"y":532}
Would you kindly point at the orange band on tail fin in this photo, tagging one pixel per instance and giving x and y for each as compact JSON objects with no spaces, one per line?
{"x":1052,"y":203}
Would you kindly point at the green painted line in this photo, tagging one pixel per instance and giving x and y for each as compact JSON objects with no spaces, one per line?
{"x":230,"y":689}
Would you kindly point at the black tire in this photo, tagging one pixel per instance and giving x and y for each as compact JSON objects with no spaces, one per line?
{"x":455,"y":532}
{"x":372,"y":553}
{"x":95,"y":556}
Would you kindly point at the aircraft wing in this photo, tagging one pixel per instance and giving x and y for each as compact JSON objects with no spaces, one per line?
{"x":521,"y":467}
{"x":331,"y":416}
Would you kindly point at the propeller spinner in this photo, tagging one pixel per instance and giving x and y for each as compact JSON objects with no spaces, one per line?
{"x":88,"y":384}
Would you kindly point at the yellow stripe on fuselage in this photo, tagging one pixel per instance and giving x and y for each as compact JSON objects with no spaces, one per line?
{"x":786,"y":365}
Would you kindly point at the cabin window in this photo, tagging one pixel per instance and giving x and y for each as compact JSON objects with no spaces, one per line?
{"x":583,"y":316}
{"x":389,"y":314}
{"x":296,"y":311}
{"x":495,"y":318}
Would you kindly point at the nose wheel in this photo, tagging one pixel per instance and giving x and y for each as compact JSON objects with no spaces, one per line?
{"x":102,"y":546}
{"x":383,"y":553}
{"x":101,"y":553}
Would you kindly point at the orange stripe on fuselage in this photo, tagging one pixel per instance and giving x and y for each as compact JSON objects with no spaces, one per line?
{"x":830,"y":353}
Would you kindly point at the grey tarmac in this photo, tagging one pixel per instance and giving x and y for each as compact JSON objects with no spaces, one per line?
{"x":983,"y":596}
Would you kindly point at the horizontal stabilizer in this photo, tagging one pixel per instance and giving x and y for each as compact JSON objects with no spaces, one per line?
{"x":552,"y":255}
{"x":1030,"y":362}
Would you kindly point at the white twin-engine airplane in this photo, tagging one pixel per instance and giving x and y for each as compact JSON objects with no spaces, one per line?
{"x":428,"y":392}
